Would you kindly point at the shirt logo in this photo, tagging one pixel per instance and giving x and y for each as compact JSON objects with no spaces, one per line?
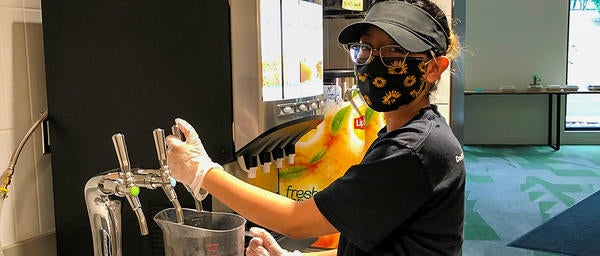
{"x":460,"y":157}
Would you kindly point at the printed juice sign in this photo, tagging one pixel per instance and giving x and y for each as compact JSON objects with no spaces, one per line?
{"x":325,"y":153}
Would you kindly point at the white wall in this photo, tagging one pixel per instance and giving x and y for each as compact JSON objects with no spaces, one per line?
{"x":441,"y":96}
{"x":506,"y":42}
{"x":510,"y":40}
{"x":27,"y":217}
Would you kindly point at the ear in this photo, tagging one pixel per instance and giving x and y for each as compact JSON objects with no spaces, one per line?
{"x":435,"y":68}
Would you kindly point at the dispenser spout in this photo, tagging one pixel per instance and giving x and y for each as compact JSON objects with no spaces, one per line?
{"x":290,"y":153}
{"x":249,"y":163}
{"x":134,"y":200}
{"x":265,"y":161}
{"x":278,"y":155}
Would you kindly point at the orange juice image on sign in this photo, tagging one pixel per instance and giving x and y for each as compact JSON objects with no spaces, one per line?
{"x":306,"y":72}
{"x":309,"y":71}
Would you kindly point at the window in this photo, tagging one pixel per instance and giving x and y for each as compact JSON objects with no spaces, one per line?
{"x":583,"y":110}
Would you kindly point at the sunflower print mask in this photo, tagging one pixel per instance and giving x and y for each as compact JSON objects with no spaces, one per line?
{"x":387,"y":88}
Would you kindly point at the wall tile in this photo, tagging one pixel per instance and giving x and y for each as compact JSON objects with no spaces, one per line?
{"x":32,"y":4}
{"x":35,"y":61}
{"x":7,"y":220}
{"x":11,"y":3}
{"x":16,"y":85}
{"x":13,"y":68}
{"x":37,"y":85}
{"x":7,"y":236}
{"x":25,"y":189}
{"x":6,"y":17}
{"x":4,"y":103}
{"x":20,"y":86}
{"x":27,"y":219}
{"x":41,"y":245}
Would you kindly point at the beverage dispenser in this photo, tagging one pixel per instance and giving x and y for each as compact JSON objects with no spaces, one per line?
{"x":277,"y":81}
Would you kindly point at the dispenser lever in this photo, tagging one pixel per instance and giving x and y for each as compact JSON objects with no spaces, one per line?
{"x":121,"y":150}
{"x":161,"y":148}
{"x":129,"y":181}
{"x":176,"y":132}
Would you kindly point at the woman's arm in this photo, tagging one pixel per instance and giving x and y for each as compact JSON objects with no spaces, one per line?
{"x":191,"y":165}
{"x":296,"y":219}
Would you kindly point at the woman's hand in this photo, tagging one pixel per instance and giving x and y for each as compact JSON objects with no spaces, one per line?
{"x":264,"y":244}
{"x":188,"y":160}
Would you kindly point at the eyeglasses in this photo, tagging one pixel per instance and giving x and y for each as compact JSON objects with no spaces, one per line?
{"x":362,"y":54}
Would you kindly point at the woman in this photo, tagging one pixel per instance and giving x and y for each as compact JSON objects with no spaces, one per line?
{"x":406,"y":197}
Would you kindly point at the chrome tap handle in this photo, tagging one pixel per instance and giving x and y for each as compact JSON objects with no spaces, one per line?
{"x":161,"y":148}
{"x":165,"y":173}
{"x":176,"y":132}
{"x":129,"y":181}
{"x":121,"y":150}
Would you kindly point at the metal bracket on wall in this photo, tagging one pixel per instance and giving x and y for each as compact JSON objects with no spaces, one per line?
{"x":46,"y":137}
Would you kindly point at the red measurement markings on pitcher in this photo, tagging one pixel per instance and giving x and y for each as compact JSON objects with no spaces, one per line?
{"x":212,"y":249}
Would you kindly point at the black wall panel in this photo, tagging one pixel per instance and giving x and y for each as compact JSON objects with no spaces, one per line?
{"x":129,"y":67}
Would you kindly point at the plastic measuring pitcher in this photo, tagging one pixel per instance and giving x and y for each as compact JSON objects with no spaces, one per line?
{"x":202,"y":233}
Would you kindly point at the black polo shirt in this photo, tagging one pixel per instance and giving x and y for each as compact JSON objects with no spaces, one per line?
{"x":406,"y":197}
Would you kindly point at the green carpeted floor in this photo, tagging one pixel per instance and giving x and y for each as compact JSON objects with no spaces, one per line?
{"x":512,"y":189}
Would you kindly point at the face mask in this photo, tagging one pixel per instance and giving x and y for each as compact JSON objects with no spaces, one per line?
{"x":387,"y":88}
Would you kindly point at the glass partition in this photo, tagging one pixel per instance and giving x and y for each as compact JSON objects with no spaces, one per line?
{"x":582,"y":110}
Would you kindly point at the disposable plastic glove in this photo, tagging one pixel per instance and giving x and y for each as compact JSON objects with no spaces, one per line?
{"x":264,"y":244}
{"x":188,"y":159}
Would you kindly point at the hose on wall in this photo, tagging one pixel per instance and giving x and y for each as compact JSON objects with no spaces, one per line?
{"x":7,"y":175}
